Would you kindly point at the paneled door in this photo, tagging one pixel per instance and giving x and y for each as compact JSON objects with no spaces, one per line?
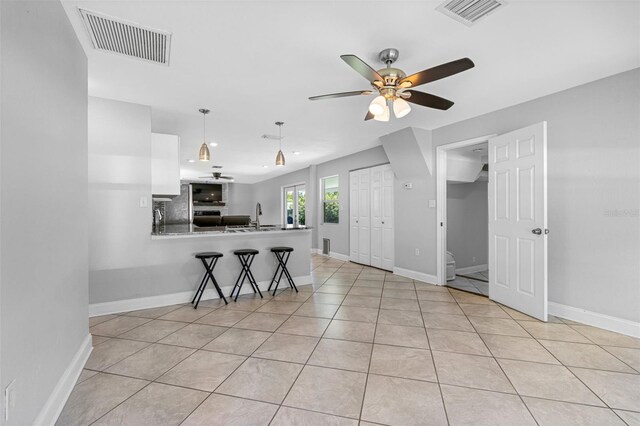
{"x":382,"y":247}
{"x":518,"y":220}
{"x":376,"y":216}
{"x":364,"y":217}
{"x":388,"y":248}
{"x":371,"y":217}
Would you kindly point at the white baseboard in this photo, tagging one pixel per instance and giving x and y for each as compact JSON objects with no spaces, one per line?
{"x":316,"y":251}
{"x":618,"y":325}
{"x":472,"y":269}
{"x":58,"y":398}
{"x":339,"y":256}
{"x":415,"y":275}
{"x":119,"y":306}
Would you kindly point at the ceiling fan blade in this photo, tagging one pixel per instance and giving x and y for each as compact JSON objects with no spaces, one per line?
{"x":341,"y":95}
{"x":438,"y":72}
{"x":362,"y":68}
{"x":427,"y":100}
{"x":369,"y":116}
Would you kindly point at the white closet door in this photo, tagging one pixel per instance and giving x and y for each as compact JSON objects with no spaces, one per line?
{"x":376,"y":216}
{"x":387,"y":219}
{"x":354,"y":230}
{"x":364,"y":217}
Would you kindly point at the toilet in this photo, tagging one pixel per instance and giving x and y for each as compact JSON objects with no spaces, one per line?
{"x":451,"y":267}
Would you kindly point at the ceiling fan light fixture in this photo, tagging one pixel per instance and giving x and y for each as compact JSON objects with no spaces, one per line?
{"x":378,"y":105}
{"x":401,"y":107}
{"x":204,"y":154}
{"x":384,"y":116}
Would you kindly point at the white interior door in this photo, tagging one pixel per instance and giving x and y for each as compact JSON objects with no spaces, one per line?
{"x":376,"y":216}
{"x":364,"y":217}
{"x":354,"y":229}
{"x":518,"y":220}
{"x":387,"y":220}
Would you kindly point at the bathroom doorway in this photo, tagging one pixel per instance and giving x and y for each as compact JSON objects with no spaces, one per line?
{"x":467,"y":244}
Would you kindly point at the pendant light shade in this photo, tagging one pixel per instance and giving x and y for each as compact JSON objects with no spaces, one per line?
{"x":280,"y":156}
{"x":377,"y":105}
{"x":401,"y":108}
{"x":204,"y":154}
{"x":384,"y":116}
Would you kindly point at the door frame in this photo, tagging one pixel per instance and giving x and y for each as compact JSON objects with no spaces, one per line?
{"x":441,"y":202}
{"x":282,"y":199}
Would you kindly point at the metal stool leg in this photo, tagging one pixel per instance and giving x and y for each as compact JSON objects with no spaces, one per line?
{"x":210,"y":269}
{"x":286,"y":271}
{"x":252,"y":279}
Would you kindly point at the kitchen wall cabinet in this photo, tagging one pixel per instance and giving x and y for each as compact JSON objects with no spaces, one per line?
{"x":165,"y":164}
{"x":371,"y":220}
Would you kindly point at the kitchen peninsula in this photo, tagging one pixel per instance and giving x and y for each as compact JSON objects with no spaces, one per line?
{"x":178,"y":244}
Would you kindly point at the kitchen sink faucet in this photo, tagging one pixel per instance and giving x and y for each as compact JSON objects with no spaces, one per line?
{"x":258,"y":214}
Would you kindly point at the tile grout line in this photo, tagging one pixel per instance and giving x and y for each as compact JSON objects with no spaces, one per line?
{"x":496,"y":360}
{"x":433,"y":360}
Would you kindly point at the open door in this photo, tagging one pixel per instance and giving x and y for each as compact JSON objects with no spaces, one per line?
{"x":518,"y":220}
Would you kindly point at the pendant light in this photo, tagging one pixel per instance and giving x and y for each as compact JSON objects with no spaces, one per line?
{"x":204,"y":154}
{"x":280,"y":156}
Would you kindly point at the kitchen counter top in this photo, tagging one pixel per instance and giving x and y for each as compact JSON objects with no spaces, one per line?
{"x":190,"y":230}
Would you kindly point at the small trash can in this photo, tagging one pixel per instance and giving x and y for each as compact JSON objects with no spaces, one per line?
{"x":451,"y":267}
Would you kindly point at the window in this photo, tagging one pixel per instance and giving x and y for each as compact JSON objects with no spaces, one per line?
{"x":330,"y":200}
{"x":295,"y":206}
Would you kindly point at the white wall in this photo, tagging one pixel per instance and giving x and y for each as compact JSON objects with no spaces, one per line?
{"x":467,"y":223}
{"x":43,"y":202}
{"x":241,"y":199}
{"x":119,"y":175}
{"x":593,"y":189}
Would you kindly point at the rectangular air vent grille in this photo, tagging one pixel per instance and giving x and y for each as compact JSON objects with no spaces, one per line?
{"x":127,"y":38}
{"x":469,"y":11}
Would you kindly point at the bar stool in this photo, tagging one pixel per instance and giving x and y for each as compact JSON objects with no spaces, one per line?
{"x":212,"y":257}
{"x":246,"y":257}
{"x":282,"y":254}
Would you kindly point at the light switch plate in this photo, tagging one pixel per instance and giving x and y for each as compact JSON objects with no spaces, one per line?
{"x":432,"y":204}
{"x":144,"y":202}
{"x":408,"y":185}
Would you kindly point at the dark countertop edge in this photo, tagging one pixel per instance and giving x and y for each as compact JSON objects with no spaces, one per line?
{"x":224,"y":233}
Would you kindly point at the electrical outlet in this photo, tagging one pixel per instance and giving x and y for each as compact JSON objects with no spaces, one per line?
{"x":417,"y":252}
{"x":473,"y":259}
{"x":9,"y":399}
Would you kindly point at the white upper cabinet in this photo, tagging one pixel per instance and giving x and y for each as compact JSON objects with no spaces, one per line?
{"x":165,"y":164}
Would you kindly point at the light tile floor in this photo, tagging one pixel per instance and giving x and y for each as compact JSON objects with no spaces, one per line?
{"x":359,"y":346}
{"x":468,"y":283}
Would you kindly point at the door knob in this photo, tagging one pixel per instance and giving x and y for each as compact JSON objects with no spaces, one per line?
{"x":537,"y":231}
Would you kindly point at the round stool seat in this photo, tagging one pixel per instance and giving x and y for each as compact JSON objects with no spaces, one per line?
{"x":281,"y":249}
{"x":208,"y":254}
{"x":245,"y":251}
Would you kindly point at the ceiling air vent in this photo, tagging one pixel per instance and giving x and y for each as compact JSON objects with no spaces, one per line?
{"x":127,"y":38}
{"x":469,"y":11}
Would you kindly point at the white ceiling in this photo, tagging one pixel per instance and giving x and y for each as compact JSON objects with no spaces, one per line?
{"x":254,"y":63}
